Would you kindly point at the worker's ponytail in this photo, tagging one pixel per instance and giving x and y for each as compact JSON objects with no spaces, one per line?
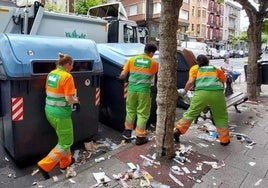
{"x":64,"y":59}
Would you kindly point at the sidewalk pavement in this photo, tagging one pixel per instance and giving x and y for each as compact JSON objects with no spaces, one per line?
{"x":241,"y":164}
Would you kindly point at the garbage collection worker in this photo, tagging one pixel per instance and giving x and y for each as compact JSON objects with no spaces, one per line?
{"x":208,"y":83}
{"x":60,"y":90}
{"x":141,"y":70}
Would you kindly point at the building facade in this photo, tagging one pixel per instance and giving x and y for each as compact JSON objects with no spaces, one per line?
{"x":147,"y":14}
{"x":198,"y":20}
{"x":215,"y":24}
{"x":232,"y":17}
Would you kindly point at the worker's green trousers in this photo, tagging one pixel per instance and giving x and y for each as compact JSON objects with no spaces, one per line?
{"x":138,"y":105}
{"x":64,"y":130}
{"x":215,"y":100}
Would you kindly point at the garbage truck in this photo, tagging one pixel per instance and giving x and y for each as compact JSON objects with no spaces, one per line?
{"x":106,"y":23}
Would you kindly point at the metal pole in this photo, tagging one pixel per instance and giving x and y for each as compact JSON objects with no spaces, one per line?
{"x":26,"y":12}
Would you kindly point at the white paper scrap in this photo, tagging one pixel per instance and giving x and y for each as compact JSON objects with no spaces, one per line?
{"x":251,"y":163}
{"x":186,"y":170}
{"x":100,"y":177}
{"x":258,"y":182}
{"x":176,"y":180}
{"x":72,"y":181}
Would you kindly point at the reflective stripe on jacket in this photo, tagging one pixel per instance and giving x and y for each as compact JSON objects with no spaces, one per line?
{"x":59,"y":84}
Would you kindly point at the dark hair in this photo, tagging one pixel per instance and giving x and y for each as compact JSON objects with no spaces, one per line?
{"x":64,"y":59}
{"x":202,"y":60}
{"x":226,"y":57}
{"x":149,"y":47}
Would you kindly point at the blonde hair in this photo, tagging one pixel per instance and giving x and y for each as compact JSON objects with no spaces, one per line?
{"x":64,"y":59}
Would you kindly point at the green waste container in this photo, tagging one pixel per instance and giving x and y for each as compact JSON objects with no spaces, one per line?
{"x":264,"y":65}
{"x":25,"y":62}
{"x":259,"y":79}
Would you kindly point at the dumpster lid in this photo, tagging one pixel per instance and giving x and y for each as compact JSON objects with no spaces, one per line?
{"x":118,"y":53}
{"x":19,"y":51}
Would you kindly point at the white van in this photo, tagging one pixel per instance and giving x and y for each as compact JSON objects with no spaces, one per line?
{"x":196,"y":47}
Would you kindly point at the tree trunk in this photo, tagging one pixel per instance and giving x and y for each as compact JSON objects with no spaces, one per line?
{"x":256,"y":17}
{"x":167,"y":78}
{"x":252,"y":67}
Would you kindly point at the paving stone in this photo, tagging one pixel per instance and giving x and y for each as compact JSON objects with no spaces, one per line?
{"x":254,"y":181}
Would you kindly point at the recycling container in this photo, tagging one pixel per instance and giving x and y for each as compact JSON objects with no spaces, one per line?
{"x":182,"y":70}
{"x":25,"y":62}
{"x":264,"y":65}
{"x":183,"y":73}
{"x":113,"y":91}
{"x":260,"y":72}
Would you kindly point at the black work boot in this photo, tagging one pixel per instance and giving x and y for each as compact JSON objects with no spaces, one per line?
{"x":225,"y":144}
{"x":44,"y":173}
{"x":141,"y":140}
{"x":176,"y":135}
{"x":127,"y":134}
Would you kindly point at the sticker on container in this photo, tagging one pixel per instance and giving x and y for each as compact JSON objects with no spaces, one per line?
{"x":87,"y":82}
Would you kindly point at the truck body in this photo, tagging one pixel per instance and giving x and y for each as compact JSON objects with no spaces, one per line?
{"x":104,"y":26}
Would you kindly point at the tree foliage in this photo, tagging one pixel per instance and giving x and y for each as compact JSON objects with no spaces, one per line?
{"x":264,"y":27}
{"x":243,"y":36}
{"x":82,"y":6}
{"x":264,"y":38}
{"x":54,"y":7}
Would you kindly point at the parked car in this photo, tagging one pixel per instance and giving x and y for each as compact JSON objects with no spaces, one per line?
{"x":214,"y":53}
{"x":238,"y":53}
{"x":241,"y":53}
{"x":196,"y":47}
{"x":224,"y":53}
{"x":232,"y":53}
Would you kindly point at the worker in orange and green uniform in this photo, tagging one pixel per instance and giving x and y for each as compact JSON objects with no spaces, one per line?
{"x":141,"y":70}
{"x":60,"y":90}
{"x":208,"y":82}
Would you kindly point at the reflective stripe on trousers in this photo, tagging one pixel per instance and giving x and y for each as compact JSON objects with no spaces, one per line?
{"x":223,"y":134}
{"x":140,"y":132}
{"x":183,"y":125}
{"x":55,"y":156}
{"x":129,"y":125}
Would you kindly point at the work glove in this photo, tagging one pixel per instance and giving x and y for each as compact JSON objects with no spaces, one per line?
{"x":76,"y":106}
{"x":182,"y":92}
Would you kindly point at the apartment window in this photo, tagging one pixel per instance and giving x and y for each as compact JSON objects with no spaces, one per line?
{"x":157,"y":8}
{"x":198,"y":28}
{"x":204,"y":14}
{"x":154,"y":30}
{"x":192,"y":27}
{"x":141,"y":8}
{"x":203,"y":32}
{"x":193,"y":11}
{"x":133,"y":10}
{"x":184,"y":14}
{"x":198,"y":13}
